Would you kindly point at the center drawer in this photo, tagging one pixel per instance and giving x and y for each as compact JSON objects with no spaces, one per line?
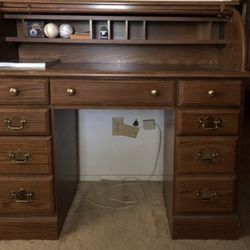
{"x":25,"y":155}
{"x":26,"y":195}
{"x":111,"y":92}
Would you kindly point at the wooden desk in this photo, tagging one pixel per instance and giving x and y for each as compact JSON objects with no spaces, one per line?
{"x":185,"y":57}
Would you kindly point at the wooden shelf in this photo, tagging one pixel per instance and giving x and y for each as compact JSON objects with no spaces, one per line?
{"x":119,"y":18}
{"x":107,"y":41}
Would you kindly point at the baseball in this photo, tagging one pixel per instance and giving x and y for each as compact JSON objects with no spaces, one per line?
{"x":51,"y":30}
{"x":65,"y":30}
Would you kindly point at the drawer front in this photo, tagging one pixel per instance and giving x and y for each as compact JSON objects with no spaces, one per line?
{"x":27,"y":195}
{"x":118,"y":93}
{"x":24,"y":122}
{"x":210,"y":93}
{"x":205,"y":154}
{"x":25,"y":155}
{"x":204,"y":194}
{"x":24,"y":91}
{"x":208,"y":122}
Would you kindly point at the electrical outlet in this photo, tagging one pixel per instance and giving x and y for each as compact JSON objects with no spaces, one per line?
{"x":129,"y":131}
{"x":149,"y":124}
{"x":117,"y":124}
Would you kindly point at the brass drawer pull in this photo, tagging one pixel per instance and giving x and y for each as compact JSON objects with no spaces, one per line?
{"x":205,"y":195}
{"x":20,"y":158}
{"x":13,"y":91}
{"x":210,"y":123}
{"x":155,"y":92}
{"x":71,"y":92}
{"x":22,"y":196}
{"x":211,"y":93}
{"x":8,"y":124}
{"x":207,"y":155}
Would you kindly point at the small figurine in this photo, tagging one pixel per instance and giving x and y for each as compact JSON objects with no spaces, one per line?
{"x":35,"y":28}
{"x":104,"y":33}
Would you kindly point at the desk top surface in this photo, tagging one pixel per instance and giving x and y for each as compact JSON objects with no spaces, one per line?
{"x":125,"y":70}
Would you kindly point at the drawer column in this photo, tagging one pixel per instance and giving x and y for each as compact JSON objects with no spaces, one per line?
{"x":206,"y":145}
{"x":26,"y":168}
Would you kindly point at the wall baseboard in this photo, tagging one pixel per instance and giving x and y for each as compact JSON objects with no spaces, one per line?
{"x":119,"y":177}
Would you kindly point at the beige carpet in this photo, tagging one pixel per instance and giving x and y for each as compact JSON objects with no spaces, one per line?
{"x":143,"y":227}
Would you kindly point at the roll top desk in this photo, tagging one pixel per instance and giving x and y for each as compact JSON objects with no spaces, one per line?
{"x":186,"y":57}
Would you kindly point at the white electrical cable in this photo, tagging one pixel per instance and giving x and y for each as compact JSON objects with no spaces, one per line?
{"x":124,"y":204}
{"x":158,"y":153}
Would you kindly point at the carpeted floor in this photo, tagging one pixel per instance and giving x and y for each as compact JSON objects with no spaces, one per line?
{"x":142,"y":227}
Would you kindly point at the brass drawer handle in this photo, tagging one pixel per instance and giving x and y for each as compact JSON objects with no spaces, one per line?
{"x":8,"y":124}
{"x":207,"y":155}
{"x":205,"y":195}
{"x":211,"y":93}
{"x":13,"y":91}
{"x":22,"y":196}
{"x":210,"y":123}
{"x":155,"y":92}
{"x":71,"y":92}
{"x":20,"y":158}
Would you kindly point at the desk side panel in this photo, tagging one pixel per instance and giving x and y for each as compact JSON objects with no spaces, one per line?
{"x":65,"y":138}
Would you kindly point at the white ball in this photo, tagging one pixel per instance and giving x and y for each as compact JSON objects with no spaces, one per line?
{"x":51,"y":30}
{"x":65,"y":30}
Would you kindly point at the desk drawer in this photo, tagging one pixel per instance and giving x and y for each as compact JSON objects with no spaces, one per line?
{"x":26,"y":195}
{"x":113,"y":93}
{"x":24,"y":91}
{"x":204,"y":194}
{"x":24,"y":122}
{"x":25,"y":155}
{"x":210,"y":93}
{"x":208,"y":122}
{"x":205,"y":154}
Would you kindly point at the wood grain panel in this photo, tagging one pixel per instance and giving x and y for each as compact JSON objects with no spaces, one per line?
{"x":206,"y":227}
{"x":188,"y":122}
{"x":137,"y":7}
{"x":187,"y":148}
{"x":30,"y":91}
{"x":38,"y":147}
{"x":41,"y":203}
{"x":234,"y":32}
{"x":187,"y":202}
{"x":197,"y":55}
{"x":7,"y":51}
{"x":37,"y":121}
{"x":66,"y":160}
{"x":39,"y":227}
{"x":104,"y":92}
{"x":195,"y":93}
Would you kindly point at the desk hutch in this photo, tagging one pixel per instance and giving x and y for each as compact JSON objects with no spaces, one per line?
{"x":188,"y":56}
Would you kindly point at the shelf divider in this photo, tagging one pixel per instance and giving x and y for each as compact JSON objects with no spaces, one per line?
{"x":109,"y":29}
{"x":91,"y":28}
{"x":144,"y":27}
{"x":126,"y":30}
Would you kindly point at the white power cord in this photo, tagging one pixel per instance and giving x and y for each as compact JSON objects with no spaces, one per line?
{"x":124,"y":204}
